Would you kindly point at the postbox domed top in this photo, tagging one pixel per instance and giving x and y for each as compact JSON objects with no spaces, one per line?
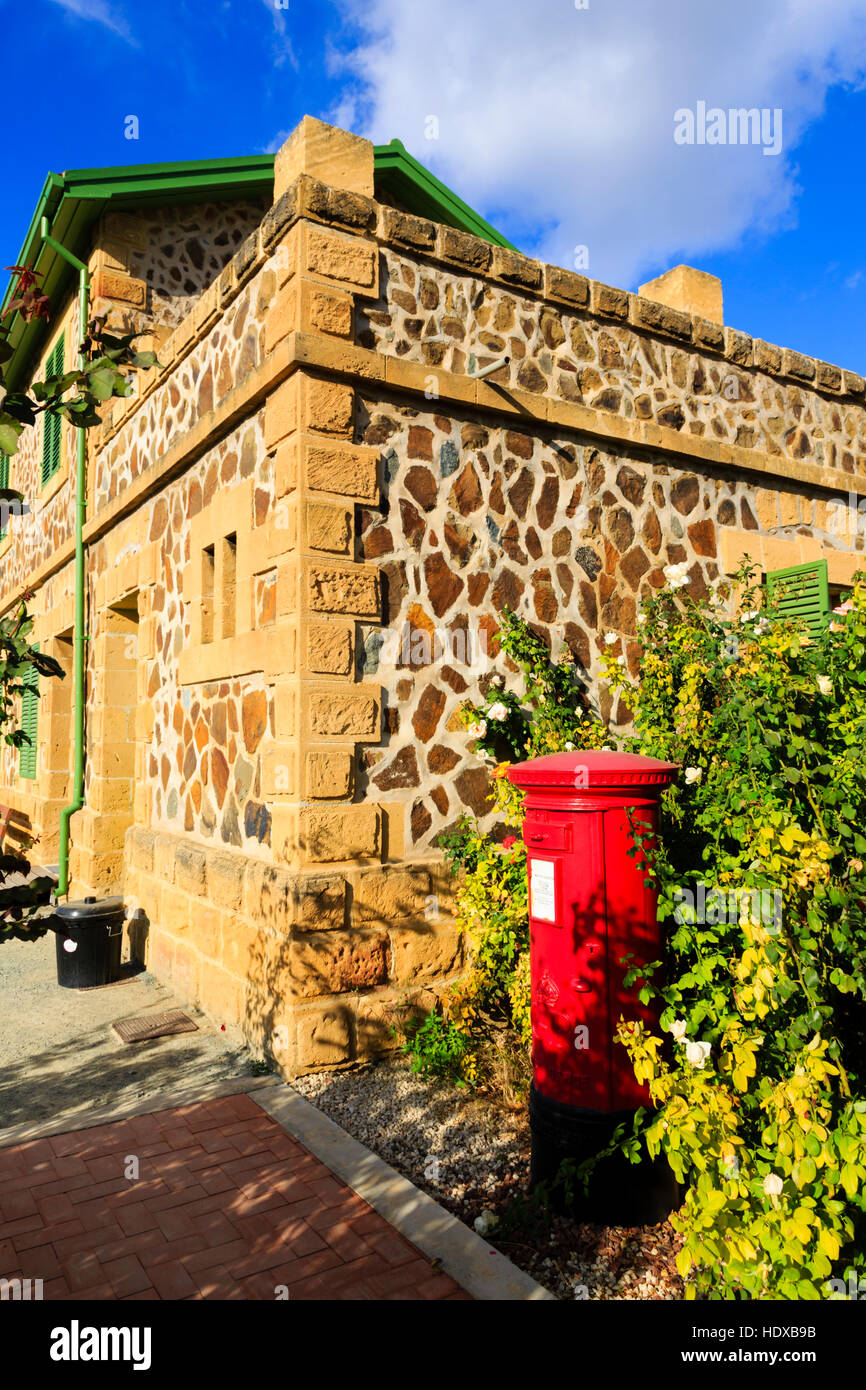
{"x":594,"y":767}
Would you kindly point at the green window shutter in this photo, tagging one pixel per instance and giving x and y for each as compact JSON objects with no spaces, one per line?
{"x":29,"y":723}
{"x":802,"y":592}
{"x":4,"y":483}
{"x":52,"y":424}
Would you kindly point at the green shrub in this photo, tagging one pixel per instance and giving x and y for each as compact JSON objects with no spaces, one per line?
{"x":760,"y":1099}
{"x":757,"y":1073}
{"x":438,"y":1048}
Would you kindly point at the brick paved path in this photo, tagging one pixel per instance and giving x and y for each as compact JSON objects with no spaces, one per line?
{"x":226,"y":1205}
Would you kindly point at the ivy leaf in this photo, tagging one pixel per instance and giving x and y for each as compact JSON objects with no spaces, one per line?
{"x":9,"y":432}
{"x":144,"y":360}
{"x":101,"y":383}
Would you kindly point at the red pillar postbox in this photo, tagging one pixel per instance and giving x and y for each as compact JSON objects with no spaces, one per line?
{"x":589,"y":908}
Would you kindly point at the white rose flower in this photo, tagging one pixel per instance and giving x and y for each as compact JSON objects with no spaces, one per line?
{"x":678,"y":1029}
{"x":620,"y":661}
{"x":497,"y":681}
{"x":677,"y":575}
{"x":773,"y":1185}
{"x":641,"y":617}
{"x":498,"y":712}
{"x":610,"y":639}
{"x":825,"y":685}
{"x":569,"y":748}
{"x":478,"y":729}
{"x":697,"y":1054}
{"x":693,"y":775}
{"x":747,"y":617}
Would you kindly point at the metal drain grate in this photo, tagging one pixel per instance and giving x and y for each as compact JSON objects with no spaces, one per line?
{"x":132,"y":1030}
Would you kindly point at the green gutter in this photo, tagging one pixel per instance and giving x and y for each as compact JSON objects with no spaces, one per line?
{"x":80,"y":507}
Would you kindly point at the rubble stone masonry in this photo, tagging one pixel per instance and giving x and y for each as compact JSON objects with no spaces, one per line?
{"x":301,"y":533}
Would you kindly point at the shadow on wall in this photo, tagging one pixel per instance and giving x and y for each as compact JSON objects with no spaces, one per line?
{"x":303,"y":987}
{"x":319,"y":999}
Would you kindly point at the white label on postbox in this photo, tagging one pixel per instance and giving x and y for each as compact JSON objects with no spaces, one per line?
{"x":542,"y":890}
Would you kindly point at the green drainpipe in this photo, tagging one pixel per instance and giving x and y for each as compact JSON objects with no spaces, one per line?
{"x":80,"y":507}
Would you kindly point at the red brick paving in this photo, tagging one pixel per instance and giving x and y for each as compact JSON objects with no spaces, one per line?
{"x":226,"y":1206}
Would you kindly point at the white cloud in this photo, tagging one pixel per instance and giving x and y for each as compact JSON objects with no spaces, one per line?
{"x":279,"y":10}
{"x":564,"y":118}
{"x":98,"y":11}
{"x":279,"y":140}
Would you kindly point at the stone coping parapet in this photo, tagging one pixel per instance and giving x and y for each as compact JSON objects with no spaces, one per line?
{"x":309,"y":199}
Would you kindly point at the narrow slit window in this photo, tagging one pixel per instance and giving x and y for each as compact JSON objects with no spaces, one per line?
{"x":229,"y":585}
{"x":207,"y":593}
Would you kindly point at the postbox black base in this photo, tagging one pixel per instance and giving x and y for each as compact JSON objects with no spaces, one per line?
{"x":620,"y":1193}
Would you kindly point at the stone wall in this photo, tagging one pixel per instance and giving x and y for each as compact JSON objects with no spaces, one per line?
{"x":689,"y":442}
{"x":476,"y":518}
{"x":181,"y":251}
{"x":577,"y":340}
{"x":46,"y":525}
{"x":150,"y":267}
{"x":302,"y":532}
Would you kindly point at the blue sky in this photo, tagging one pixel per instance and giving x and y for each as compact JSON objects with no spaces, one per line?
{"x":560,"y":132}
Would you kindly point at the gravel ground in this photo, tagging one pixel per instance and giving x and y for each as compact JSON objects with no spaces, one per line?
{"x":473,"y":1158}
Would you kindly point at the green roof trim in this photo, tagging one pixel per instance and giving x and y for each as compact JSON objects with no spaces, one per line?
{"x":73,"y":202}
{"x":426,"y":196}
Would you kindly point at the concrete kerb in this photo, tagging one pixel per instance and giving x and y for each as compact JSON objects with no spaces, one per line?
{"x":479,"y":1269}
{"x":470,"y":1261}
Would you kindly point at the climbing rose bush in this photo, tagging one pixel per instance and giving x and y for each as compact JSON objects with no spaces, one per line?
{"x":756,"y":1073}
{"x":492,"y":898}
{"x":759,"y":1085}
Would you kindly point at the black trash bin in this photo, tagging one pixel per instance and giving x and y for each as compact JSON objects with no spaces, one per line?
{"x":89,"y":938}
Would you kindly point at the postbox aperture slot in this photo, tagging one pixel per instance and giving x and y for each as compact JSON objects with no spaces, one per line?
{"x":547,"y":837}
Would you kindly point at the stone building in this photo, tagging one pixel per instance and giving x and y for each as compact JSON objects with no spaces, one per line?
{"x":301,"y":529}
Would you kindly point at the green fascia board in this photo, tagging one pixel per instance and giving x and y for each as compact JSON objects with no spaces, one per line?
{"x":74,"y":200}
{"x":140,"y":184}
{"x":415,"y":188}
